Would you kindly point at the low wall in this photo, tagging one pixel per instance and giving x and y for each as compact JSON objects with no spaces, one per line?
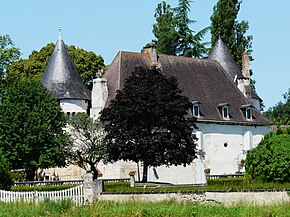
{"x":226,"y":198}
{"x":255,"y":198}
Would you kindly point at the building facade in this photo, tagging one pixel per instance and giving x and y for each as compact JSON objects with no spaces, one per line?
{"x":227,"y":110}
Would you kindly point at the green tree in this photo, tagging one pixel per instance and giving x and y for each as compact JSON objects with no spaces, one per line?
{"x":5,"y":176}
{"x":90,"y":145}
{"x":8,"y":53}
{"x":224,"y":24}
{"x":270,"y":160}
{"x":280,"y":113}
{"x":87,"y":62}
{"x":31,"y":128}
{"x":173,"y":34}
{"x":148,"y":122}
{"x":165,"y":30}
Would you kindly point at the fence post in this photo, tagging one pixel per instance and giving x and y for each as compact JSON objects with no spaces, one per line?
{"x":92,"y":188}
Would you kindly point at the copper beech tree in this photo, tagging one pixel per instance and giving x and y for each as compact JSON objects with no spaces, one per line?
{"x":148,"y":122}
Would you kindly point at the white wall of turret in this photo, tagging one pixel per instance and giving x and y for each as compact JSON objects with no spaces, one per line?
{"x":73,"y":106}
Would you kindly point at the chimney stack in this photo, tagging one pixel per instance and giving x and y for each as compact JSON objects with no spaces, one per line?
{"x":246,"y":65}
{"x":151,"y":55}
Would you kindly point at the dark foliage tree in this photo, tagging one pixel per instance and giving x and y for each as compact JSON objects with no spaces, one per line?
{"x":148,"y":122}
{"x":89,"y":142}
{"x":87,"y":62}
{"x":31,"y":128}
{"x":270,"y":160}
{"x":224,"y":24}
{"x":280,"y":113}
{"x":8,"y":53}
{"x":5,"y":175}
{"x":173,"y":34}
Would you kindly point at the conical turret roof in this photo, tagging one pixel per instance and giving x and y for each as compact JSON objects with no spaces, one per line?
{"x":221,"y":54}
{"x":62,"y":77}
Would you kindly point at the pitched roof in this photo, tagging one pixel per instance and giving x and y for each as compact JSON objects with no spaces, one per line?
{"x":200,"y":80}
{"x":221,"y":54}
{"x":62,"y":77}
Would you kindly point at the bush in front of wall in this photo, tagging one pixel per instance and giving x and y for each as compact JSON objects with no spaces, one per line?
{"x":270,"y":160}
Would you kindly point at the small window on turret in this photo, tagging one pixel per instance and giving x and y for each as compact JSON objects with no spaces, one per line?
{"x":73,"y":114}
{"x":68,"y":114}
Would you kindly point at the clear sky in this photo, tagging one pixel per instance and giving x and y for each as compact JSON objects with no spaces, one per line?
{"x":108,"y":26}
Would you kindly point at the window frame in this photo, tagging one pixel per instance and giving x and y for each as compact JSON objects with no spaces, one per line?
{"x":195,"y":104}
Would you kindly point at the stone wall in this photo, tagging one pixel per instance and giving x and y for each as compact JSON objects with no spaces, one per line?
{"x":226,"y":198}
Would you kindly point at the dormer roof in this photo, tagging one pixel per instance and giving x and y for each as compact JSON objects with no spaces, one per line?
{"x":61,"y":76}
{"x":221,"y":54}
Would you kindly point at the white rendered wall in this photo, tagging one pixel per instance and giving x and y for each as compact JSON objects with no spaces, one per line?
{"x":237,"y":138}
{"x":119,"y":169}
{"x":74,"y":105}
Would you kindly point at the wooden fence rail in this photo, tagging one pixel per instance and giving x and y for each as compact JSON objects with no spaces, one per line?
{"x":75,"y":194}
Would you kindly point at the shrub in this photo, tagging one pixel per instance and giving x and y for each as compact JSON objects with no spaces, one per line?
{"x":24,"y":188}
{"x":5,"y":176}
{"x":270,"y":160}
{"x":226,"y":183}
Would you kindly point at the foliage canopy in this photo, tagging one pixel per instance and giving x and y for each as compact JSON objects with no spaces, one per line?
{"x":8,"y":53}
{"x":31,"y":122}
{"x":280,"y":113}
{"x":89,"y":138}
{"x":270,"y":160}
{"x":147,"y":122}
{"x":173,"y":34}
{"x":5,"y":176}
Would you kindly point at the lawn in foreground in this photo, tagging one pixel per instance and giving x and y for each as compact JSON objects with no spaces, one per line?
{"x":166,"y":208}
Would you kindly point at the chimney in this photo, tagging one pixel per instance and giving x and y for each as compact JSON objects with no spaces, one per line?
{"x":246,"y":65}
{"x":99,"y":96}
{"x":151,"y":55}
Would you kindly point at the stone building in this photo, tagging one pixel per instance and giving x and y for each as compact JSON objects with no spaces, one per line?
{"x":227,"y":110}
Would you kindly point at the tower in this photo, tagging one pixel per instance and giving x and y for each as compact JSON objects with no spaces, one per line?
{"x":63,"y":79}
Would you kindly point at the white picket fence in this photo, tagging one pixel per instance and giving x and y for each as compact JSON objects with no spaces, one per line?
{"x":75,"y":194}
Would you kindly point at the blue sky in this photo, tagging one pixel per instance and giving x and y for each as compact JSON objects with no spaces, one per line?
{"x":107,"y":27}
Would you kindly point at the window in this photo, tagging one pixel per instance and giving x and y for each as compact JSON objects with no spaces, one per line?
{"x":224,"y":109}
{"x":196,"y":108}
{"x":68,"y":114}
{"x":249,"y":113}
{"x":225,"y":112}
{"x":73,"y":114}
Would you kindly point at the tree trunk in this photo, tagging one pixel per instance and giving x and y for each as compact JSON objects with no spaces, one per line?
{"x":145,"y":171}
{"x":95,"y":171}
{"x":30,"y":174}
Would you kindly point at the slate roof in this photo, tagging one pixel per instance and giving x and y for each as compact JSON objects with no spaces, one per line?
{"x":201,"y":80}
{"x":62,"y":77}
{"x":221,"y":54}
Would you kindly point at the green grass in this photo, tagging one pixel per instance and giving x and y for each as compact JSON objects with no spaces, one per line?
{"x":225,"y":184}
{"x":140,"y":209}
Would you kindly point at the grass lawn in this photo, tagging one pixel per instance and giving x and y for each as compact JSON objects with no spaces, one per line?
{"x":166,"y":208}
{"x":225,"y":184}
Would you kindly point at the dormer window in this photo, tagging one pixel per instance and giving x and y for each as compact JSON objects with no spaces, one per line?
{"x":249,"y":114}
{"x":248,"y":111}
{"x":196,"y":109}
{"x":224,"y":110}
